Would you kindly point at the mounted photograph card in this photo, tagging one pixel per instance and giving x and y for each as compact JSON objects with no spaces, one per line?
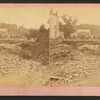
{"x":50,"y":49}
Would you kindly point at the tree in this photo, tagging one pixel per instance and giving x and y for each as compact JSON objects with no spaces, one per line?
{"x":40,"y":48}
{"x":43,"y":34}
{"x":69,"y":26}
{"x":32,"y":33}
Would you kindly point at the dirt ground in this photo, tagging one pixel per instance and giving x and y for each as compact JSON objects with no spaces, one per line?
{"x":68,"y":67}
{"x":76,"y":69}
{"x":18,"y":72}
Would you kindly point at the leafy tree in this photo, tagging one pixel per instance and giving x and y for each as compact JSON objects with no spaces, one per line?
{"x":40,"y":33}
{"x":39,"y":49}
{"x":69,"y":26}
{"x":32,"y":33}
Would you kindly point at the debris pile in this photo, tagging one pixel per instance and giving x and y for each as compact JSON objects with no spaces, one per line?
{"x":73,"y":67}
{"x":23,"y":71}
{"x":59,"y":52}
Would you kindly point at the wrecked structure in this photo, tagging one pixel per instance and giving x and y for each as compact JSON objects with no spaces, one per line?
{"x":54,"y":26}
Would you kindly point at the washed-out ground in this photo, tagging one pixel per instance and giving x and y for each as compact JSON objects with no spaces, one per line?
{"x":80,"y":67}
{"x":16,"y":71}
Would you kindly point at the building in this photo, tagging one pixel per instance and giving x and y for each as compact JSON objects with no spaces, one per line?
{"x":82,"y":33}
{"x":4,"y":33}
{"x":96,"y":33}
{"x":54,"y":25}
{"x":84,"y":30}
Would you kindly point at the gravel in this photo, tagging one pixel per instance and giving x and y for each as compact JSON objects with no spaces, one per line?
{"x":70,"y":70}
{"x":21,"y":72}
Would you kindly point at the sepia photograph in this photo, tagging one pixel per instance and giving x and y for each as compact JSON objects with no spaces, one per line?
{"x":74,"y":46}
{"x":49,"y":46}
{"x":24,"y":47}
{"x":50,"y":49}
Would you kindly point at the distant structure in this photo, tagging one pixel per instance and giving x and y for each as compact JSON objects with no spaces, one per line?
{"x":4,"y":33}
{"x":82,"y":32}
{"x":54,"y":25}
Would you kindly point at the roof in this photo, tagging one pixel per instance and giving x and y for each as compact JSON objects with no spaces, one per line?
{"x":83,"y":30}
{"x":3,"y":30}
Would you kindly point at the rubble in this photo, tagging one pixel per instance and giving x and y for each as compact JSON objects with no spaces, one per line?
{"x":73,"y":67}
{"x":20,"y":72}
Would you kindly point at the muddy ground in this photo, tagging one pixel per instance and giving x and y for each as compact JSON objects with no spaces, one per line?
{"x":16,"y":71}
{"x":75,"y":65}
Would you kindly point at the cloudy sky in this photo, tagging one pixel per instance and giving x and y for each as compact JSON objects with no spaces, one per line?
{"x":90,"y":15}
{"x":29,"y":17}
